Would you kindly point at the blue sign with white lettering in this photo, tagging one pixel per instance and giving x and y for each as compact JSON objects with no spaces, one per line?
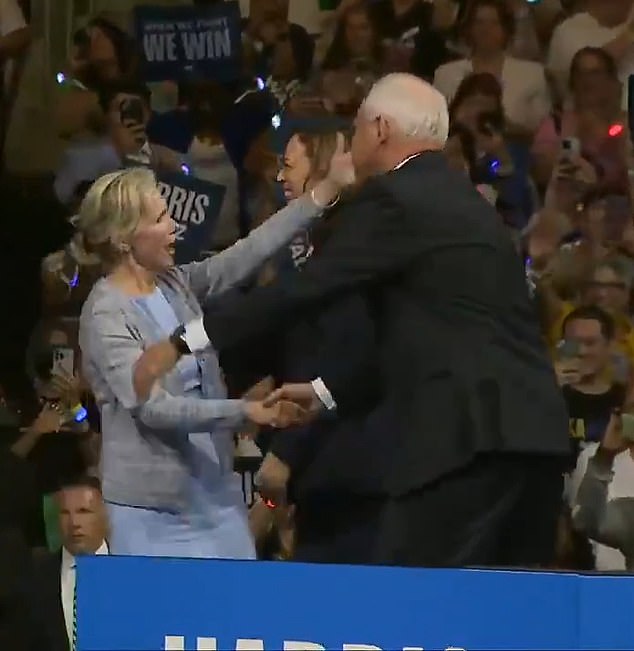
{"x":136,"y":604}
{"x":190,"y":42}
{"x":195,"y":206}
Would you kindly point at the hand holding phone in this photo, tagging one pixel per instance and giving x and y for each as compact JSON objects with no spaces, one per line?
{"x":567,"y":366}
{"x":570,"y":148}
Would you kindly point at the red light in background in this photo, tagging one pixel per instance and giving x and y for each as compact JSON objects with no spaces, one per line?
{"x":615,"y":130}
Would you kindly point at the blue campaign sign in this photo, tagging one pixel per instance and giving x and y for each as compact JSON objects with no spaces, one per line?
{"x":184,"y":41}
{"x":604,"y":599}
{"x":195,"y":206}
{"x":136,"y":604}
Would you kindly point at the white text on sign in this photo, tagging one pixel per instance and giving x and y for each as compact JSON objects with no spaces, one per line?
{"x":184,"y":206}
{"x":199,"y":41}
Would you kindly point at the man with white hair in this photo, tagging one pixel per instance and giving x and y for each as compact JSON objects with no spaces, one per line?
{"x":479,"y":427}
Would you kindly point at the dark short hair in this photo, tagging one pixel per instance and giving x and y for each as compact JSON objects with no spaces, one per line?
{"x":505,"y":15}
{"x":108,"y":91}
{"x":592,"y":313}
{"x":82,"y":481}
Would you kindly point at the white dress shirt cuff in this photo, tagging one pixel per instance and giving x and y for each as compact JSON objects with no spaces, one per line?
{"x":195,"y":336}
{"x":321,"y":390}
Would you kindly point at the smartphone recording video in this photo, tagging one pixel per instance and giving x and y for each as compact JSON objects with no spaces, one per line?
{"x":567,"y":350}
{"x":63,"y":362}
{"x":570,"y":147}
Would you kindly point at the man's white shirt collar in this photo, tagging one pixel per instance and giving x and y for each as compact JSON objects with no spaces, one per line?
{"x":68,"y":560}
{"x":67,"y":585}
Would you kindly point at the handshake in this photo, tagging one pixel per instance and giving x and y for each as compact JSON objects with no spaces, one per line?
{"x":288,"y":406}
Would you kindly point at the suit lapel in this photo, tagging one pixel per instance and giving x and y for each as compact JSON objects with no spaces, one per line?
{"x":57,"y":622}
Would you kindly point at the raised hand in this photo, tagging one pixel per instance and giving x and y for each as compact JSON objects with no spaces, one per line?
{"x":50,"y":419}
{"x":567,"y":375}
{"x":341,"y":170}
{"x":68,"y":387}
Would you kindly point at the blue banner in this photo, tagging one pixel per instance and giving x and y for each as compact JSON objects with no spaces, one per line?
{"x":195,"y":206}
{"x":190,"y":42}
{"x":137,"y":604}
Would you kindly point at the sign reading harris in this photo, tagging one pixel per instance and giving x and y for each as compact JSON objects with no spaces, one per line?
{"x":187,"y":41}
{"x":194,"y":205}
{"x":207,"y":605}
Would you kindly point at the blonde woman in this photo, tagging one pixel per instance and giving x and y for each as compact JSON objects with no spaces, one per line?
{"x":167,"y":453}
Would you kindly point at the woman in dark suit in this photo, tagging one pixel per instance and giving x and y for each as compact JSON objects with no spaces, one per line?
{"x":331,"y":469}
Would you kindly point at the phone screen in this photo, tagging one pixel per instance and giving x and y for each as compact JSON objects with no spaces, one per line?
{"x":567,"y":350}
{"x":570,"y":147}
{"x":63,"y":361}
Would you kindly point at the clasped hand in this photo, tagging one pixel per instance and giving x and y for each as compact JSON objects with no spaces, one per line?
{"x":282,"y":413}
{"x":288,"y":406}
{"x":304,"y":398}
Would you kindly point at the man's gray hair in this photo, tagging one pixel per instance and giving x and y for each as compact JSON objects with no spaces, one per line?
{"x":416,"y":108}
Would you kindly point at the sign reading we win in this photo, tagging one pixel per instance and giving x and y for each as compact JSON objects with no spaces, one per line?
{"x":185,"y":41}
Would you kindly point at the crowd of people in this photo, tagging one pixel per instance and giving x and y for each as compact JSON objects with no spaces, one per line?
{"x":408,"y":340}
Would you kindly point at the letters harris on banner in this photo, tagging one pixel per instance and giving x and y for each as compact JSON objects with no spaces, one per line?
{"x":177,"y":643}
{"x":184,"y":206}
{"x":194,"y":205}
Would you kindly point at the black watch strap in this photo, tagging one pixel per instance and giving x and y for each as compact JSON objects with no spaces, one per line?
{"x":177,"y":338}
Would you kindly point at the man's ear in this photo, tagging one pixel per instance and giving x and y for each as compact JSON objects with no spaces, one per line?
{"x":384,"y":129}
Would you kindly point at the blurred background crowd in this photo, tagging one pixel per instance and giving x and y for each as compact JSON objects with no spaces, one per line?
{"x":538,"y":97}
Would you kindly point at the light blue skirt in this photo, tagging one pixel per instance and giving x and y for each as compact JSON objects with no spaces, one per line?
{"x":214,"y":526}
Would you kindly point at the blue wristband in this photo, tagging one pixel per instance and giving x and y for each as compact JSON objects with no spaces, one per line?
{"x":80,"y":414}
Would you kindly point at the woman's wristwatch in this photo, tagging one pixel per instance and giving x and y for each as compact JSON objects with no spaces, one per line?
{"x":177,"y":339}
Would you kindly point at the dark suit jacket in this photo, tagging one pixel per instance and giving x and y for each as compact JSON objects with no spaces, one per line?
{"x":462,"y":361}
{"x":14,"y":557}
{"x":334,"y":457}
{"x":47,"y":629}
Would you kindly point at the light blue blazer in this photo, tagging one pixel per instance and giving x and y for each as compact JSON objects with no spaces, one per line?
{"x":143,"y":442}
